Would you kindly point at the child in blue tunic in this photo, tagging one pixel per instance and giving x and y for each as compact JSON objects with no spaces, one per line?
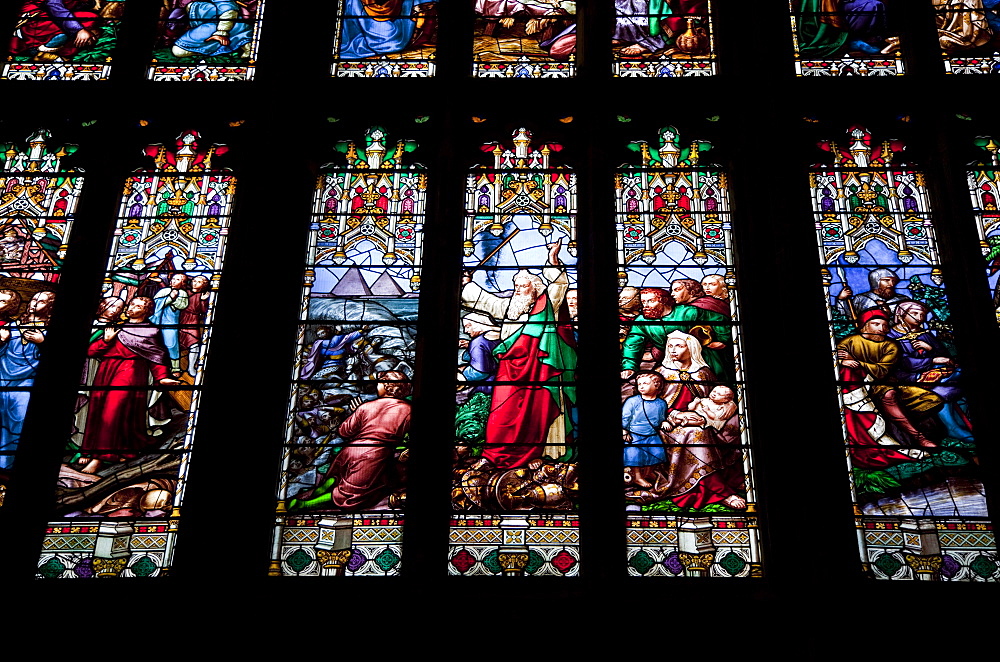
{"x":642,"y":416}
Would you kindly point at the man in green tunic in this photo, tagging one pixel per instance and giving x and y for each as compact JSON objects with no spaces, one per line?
{"x":668,"y":316}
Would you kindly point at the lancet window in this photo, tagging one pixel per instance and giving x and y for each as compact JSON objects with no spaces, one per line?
{"x":342,"y":490}
{"x":120,"y":489}
{"x":919,"y":505}
{"x":38,"y":199}
{"x":515,"y":488}
{"x":690,"y":497}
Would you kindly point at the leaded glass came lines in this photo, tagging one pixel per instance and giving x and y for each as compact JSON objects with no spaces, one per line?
{"x":345,"y":451}
{"x":686,"y":444}
{"x":655,"y":39}
{"x":37,"y":207}
{"x":388,"y":40}
{"x":65,"y":40}
{"x":846,"y":37}
{"x":517,"y":430}
{"x":911,"y":448}
{"x":207,"y":40}
{"x":125,"y":465}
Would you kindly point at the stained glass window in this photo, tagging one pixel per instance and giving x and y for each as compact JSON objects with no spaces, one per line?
{"x":514,"y":488}
{"x":341,"y":492}
{"x":524,"y":39}
{"x":967,"y":31}
{"x":920,"y":508}
{"x":655,"y":38}
{"x":846,"y":37}
{"x":380,"y":40}
{"x":120,"y":488}
{"x":984,"y":181}
{"x":688,"y":482}
{"x":207,"y":40}
{"x":36,"y":207}
{"x":64,"y":40}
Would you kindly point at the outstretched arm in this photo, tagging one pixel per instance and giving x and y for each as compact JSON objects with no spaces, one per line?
{"x":476,"y":298}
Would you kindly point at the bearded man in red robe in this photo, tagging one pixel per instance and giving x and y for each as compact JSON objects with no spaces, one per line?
{"x":530,"y":414}
{"x":117,"y":420}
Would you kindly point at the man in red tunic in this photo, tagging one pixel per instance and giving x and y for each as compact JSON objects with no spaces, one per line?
{"x":192,"y":318}
{"x":366,"y":470}
{"x":117,"y":420}
{"x":54,"y":28}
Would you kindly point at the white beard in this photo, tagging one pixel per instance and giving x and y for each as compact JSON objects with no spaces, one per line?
{"x":520,"y":304}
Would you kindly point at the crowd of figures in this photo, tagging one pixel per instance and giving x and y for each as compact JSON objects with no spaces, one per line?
{"x":146,"y":350}
{"x":900,"y":382}
{"x":85,"y":30}
{"x":680,"y":420}
{"x":351,"y":411}
{"x":517,"y":424}
{"x":517,"y":421}
{"x":642,"y":27}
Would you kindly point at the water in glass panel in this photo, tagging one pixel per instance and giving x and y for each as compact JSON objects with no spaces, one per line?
{"x":342,"y":489}
{"x":514,"y":487}
{"x":846,"y":37}
{"x":206,"y":40}
{"x":126,"y":462}
{"x":385,"y":39}
{"x":686,"y":447}
{"x":919,"y":504}
{"x":37,"y":204}
{"x":64,"y":40}
{"x":524,"y":39}
{"x":656,"y":38}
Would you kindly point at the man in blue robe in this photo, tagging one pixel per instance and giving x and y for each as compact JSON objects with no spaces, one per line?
{"x":19,"y":352}
{"x":170,"y":302}
{"x":327,"y":357}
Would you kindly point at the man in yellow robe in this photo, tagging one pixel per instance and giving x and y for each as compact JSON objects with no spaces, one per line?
{"x":869,"y":357}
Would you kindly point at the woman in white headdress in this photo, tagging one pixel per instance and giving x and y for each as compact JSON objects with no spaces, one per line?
{"x":699,"y":468}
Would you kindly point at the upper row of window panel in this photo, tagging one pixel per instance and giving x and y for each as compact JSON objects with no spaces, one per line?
{"x":218,"y":39}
